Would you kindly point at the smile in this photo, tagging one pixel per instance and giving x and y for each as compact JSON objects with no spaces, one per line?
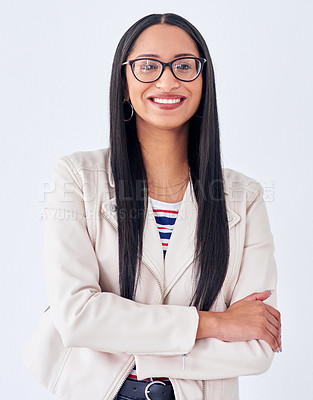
{"x":167,"y":102}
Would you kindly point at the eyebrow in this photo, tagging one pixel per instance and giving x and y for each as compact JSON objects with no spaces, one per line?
{"x":176,"y":55}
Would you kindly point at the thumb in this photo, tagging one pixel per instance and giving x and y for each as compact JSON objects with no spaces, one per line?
{"x":258,"y":296}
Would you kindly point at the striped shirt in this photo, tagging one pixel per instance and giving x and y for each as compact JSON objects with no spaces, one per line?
{"x":165,"y":216}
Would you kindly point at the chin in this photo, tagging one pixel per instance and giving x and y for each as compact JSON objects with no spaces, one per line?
{"x":164,"y":121}
{"x":167,"y":125}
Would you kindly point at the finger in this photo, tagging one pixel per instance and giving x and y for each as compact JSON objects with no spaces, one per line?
{"x":273,"y":321}
{"x":275,"y":313}
{"x":270,"y":338}
{"x":258,"y":296}
{"x":276,"y":335}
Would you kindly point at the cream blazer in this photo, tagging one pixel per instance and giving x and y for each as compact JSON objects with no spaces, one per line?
{"x":89,"y":338}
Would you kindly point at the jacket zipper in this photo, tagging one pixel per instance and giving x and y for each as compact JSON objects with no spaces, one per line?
{"x":204,"y":390}
{"x":184,"y":359}
{"x":124,"y":377}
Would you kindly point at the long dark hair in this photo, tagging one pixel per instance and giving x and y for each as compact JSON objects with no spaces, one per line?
{"x":212,"y":236}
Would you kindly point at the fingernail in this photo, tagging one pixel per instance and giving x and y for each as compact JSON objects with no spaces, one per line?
{"x":269,"y":291}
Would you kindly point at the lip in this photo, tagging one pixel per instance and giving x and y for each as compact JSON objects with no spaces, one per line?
{"x":164,"y":106}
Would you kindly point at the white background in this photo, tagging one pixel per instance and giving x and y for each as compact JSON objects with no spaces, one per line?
{"x":55,"y":66}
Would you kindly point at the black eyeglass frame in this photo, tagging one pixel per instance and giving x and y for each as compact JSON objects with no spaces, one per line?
{"x":170,"y":64}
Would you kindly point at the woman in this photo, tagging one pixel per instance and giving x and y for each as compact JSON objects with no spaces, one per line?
{"x":132,"y":316}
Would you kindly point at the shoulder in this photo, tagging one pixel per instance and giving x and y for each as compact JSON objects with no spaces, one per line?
{"x":76,"y":178}
{"x":82,"y":163}
{"x":238,"y":185}
{"x":93,"y":160}
{"x":83,"y":166}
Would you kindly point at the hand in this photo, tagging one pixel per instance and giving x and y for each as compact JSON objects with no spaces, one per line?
{"x":247,"y":319}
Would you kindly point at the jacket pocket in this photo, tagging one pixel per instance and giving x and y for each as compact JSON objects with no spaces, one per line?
{"x":44,"y":354}
{"x":89,"y":374}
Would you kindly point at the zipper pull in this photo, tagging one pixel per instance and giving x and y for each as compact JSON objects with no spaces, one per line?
{"x":184,"y":356}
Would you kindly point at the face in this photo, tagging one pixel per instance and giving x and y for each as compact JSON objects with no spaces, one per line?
{"x":164,"y":43}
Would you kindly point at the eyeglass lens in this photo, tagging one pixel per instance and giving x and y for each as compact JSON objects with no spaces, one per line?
{"x":149,"y":70}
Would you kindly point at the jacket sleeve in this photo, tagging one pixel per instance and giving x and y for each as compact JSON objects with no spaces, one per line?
{"x":84,"y":315}
{"x":211,"y":358}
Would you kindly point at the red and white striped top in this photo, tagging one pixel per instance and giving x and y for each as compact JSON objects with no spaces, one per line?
{"x":165,"y":216}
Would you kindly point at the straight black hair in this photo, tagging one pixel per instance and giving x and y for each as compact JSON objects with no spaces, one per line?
{"x":204,"y":157}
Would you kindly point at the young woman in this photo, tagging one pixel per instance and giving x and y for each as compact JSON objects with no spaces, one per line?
{"x":159,"y":263}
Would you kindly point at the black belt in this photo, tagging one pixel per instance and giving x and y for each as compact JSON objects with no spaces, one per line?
{"x":155,"y":390}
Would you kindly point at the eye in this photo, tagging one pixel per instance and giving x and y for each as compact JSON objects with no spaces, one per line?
{"x":148,"y":67}
{"x":144,"y":66}
{"x":183,"y":66}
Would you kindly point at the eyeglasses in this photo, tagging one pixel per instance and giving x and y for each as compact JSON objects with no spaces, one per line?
{"x":148,"y":70}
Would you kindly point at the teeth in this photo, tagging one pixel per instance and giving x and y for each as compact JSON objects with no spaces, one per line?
{"x":166,"y":101}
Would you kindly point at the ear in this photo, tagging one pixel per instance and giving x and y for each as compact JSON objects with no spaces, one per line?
{"x":126,"y":92}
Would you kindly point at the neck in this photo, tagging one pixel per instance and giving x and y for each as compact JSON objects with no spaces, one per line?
{"x":165,"y":155}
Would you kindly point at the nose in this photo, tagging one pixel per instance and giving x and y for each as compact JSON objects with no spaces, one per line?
{"x":167,"y":81}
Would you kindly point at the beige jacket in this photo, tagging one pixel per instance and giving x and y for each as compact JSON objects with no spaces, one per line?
{"x":90,"y":338}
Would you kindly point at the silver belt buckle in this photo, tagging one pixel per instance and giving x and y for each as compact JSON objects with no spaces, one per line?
{"x":149,"y":385}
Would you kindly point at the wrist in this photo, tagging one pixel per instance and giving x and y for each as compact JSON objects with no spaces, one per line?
{"x":209,"y":324}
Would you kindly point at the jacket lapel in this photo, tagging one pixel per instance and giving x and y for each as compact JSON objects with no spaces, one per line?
{"x":180,"y":251}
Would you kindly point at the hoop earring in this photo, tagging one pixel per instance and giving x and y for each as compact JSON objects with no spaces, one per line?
{"x":132,"y":110}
